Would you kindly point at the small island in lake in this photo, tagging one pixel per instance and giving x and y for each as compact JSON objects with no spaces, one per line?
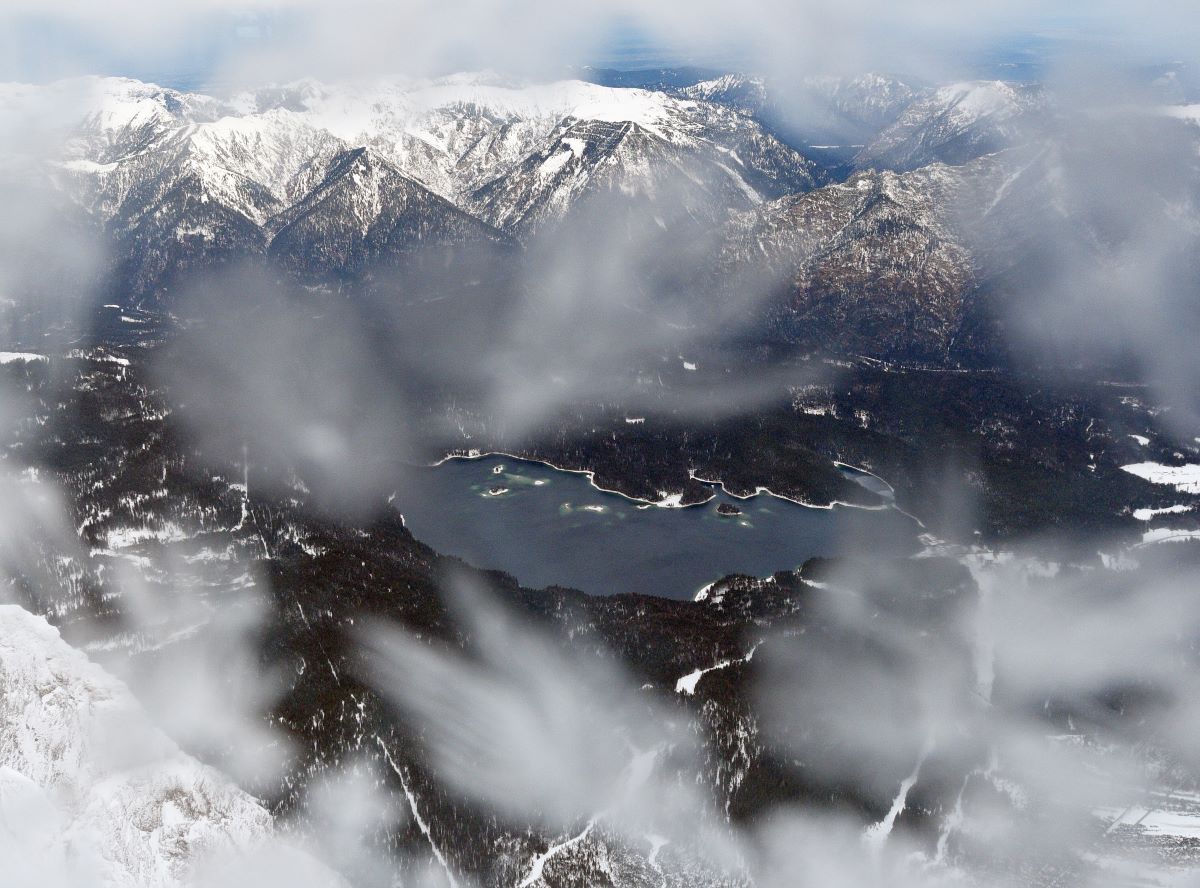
{"x":497,"y":491}
{"x":728,"y":510}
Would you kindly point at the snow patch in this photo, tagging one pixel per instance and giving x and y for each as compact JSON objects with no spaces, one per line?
{"x":1185,"y":478}
{"x":687,"y":684}
{"x":1147,"y":514}
{"x":552,"y":164}
{"x":21,"y":358}
{"x":876,"y":834}
{"x":1168,"y":535}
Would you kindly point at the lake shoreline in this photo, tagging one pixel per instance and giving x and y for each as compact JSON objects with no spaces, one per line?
{"x":673,"y":501}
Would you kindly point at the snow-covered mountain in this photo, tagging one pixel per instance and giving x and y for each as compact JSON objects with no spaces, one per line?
{"x":740,"y":91}
{"x":821,"y":112}
{"x":875,"y":264}
{"x":458,"y":133}
{"x":117,"y":116}
{"x":330,"y":181}
{"x":364,"y":211}
{"x":916,"y":265}
{"x":701,"y":180}
{"x":336,"y":179}
{"x":871,"y":100}
{"x":183,"y":181}
{"x":954,"y":124}
{"x":930,"y":264}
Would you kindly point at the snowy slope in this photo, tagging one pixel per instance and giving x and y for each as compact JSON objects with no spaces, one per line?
{"x":616,"y":159}
{"x":122,"y":116}
{"x":90,"y":790}
{"x":363,"y":210}
{"x":879,"y":264}
{"x":457,"y":132}
{"x":823,"y":112}
{"x":954,"y":124}
{"x":695,"y":158}
{"x":871,"y":100}
{"x":739,"y":91}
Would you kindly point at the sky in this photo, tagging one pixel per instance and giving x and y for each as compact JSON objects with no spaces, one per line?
{"x":203,"y":43}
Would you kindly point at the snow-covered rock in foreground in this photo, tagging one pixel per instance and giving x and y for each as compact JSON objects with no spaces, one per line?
{"x":91,"y":792}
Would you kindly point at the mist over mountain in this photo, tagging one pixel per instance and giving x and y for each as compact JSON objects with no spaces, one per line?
{"x":319,"y":389}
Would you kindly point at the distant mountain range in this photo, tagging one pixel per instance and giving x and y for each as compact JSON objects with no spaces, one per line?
{"x":332,"y":179}
{"x":886,"y":246}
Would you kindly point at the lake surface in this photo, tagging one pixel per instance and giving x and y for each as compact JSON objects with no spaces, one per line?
{"x":549,"y":527}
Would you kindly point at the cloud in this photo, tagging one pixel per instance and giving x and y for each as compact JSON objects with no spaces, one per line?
{"x":540,"y":732}
{"x":274,"y":40}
